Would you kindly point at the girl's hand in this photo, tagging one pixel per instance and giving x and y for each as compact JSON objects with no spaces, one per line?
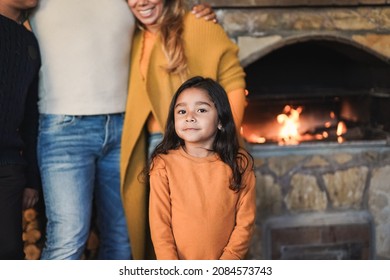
{"x":204,"y":10}
{"x":30,"y":198}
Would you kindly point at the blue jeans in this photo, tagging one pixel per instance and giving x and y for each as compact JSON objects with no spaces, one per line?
{"x":79,"y":162}
{"x":154,"y":139}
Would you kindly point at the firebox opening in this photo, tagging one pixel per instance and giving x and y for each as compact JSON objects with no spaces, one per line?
{"x":318,"y":90}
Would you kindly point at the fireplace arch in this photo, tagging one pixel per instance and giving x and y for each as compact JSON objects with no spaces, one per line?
{"x":303,"y":64}
{"x":279,"y":42}
{"x":323,"y":75}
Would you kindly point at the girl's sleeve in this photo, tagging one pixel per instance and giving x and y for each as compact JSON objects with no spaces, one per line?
{"x":241,"y":236}
{"x":160,"y":213}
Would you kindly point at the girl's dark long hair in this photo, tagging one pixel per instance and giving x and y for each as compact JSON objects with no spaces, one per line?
{"x":226,"y":143}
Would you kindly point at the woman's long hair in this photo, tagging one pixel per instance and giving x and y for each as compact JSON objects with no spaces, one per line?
{"x":171,"y":34}
{"x":226,"y":143}
{"x":172,"y":37}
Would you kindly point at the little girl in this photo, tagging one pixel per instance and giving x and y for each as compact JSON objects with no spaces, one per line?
{"x":202,"y":184}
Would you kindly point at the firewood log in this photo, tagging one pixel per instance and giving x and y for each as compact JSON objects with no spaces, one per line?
{"x":31,"y":225}
{"x":31,"y":236}
{"x":30,"y":214}
{"x":32,"y":252}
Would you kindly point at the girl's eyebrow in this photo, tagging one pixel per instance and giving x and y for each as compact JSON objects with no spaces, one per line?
{"x":203,"y":103}
{"x":196,"y":103}
{"x":180,"y":104}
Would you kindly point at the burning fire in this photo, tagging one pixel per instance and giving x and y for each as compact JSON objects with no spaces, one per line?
{"x":294,"y":130}
{"x":253,"y":138}
{"x":341,"y":129}
{"x":289,"y":119}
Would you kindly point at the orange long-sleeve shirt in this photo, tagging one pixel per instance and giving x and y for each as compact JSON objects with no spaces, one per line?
{"x":193,"y":213}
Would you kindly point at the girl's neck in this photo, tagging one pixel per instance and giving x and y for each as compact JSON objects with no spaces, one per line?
{"x":199,"y":152}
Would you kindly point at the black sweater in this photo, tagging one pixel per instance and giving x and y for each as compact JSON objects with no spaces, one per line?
{"x":19,"y":65}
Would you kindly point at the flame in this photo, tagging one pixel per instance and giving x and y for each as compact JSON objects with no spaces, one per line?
{"x":253,"y":138}
{"x":325,"y":134}
{"x":289,"y":120}
{"x":341,"y":129}
{"x":295,"y":128}
{"x":258,"y":139}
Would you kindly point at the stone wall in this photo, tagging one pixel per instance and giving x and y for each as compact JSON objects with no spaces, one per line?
{"x":258,"y":29}
{"x":334,"y":179}
{"x":261,"y":27}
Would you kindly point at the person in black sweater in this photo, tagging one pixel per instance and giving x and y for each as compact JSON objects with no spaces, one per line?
{"x":19,"y":176}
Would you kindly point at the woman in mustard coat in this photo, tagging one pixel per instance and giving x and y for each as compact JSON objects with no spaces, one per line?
{"x":170,"y":46}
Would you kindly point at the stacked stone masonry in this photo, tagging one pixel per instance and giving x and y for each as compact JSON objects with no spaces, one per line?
{"x":330,"y":182}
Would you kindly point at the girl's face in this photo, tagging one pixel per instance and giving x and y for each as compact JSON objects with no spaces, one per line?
{"x":196,"y":119}
{"x":147,"y":12}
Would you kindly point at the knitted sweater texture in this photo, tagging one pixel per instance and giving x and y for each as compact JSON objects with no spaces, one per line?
{"x":85,"y":49}
{"x":19,"y":66}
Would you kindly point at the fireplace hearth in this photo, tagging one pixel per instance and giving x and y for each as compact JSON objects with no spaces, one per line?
{"x":347,"y":235}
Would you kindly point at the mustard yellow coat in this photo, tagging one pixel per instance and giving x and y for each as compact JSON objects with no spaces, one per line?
{"x":210,"y":53}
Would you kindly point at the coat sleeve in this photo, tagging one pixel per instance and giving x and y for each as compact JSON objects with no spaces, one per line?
{"x":211,"y":53}
{"x":160,"y":213}
{"x":231,"y":75}
{"x":240,"y":238}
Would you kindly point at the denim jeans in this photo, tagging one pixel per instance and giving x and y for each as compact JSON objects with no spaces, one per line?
{"x":78,"y":158}
{"x":153,"y":140}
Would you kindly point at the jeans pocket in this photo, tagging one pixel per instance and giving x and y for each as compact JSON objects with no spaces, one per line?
{"x":49,"y":123}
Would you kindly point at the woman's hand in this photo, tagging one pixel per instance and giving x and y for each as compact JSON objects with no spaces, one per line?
{"x":204,"y":10}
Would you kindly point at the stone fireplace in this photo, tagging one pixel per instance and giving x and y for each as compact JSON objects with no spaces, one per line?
{"x":323,"y":191}
{"x":333,"y":90}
